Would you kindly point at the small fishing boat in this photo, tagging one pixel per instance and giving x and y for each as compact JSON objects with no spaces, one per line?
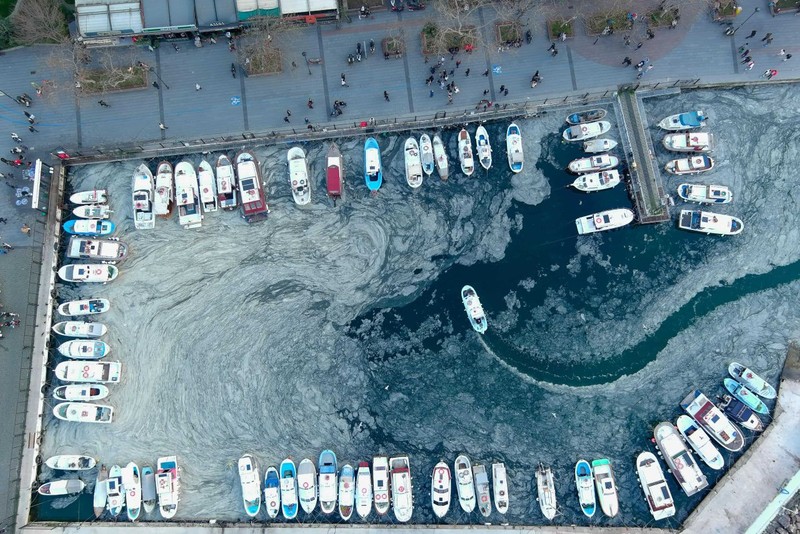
{"x":754,"y":382}
{"x":252,"y":190}
{"x":93,"y":211}
{"x":164,"y":198}
{"x":684,"y":121}
{"x":81,"y":392}
{"x":380,"y":484}
{"x":654,"y":485}
{"x":84,"y":350}
{"x":84,"y":307}
{"x":94,"y":196}
{"x":89,"y":372}
{"x":441,"y":484}
{"x":81,"y":329}
{"x":148,"y":489}
{"x":89,"y":227}
{"x":83,"y":412}
{"x":692,"y":165}
{"x":713,"y":421}
{"x":363,"y":490}
{"x":328,"y":471}
{"x":272,"y":492}
{"x":700,"y":442}
{"x":546,"y":490}
{"x":585,"y":484}
{"x":91,"y":248}
{"x":689,"y":142}
{"x":706,"y":222}
{"x":413,"y":163}
{"x":599,"y":145}
{"x":464,"y":483}
{"x":465,"y":153}
{"x":589,"y":130}
{"x":115,"y":491}
{"x":187,"y":197}
{"x":474,"y":309}
{"x":582,"y":117}
{"x":207,"y":187}
{"x":484,"y":147}
{"x":226,"y":184}
{"x":373,"y":174}
{"x":132,"y":483}
{"x":679,"y":459}
{"x":604,"y":220}
{"x":440,"y":157}
{"x":597,"y":181}
{"x":347,"y":492}
{"x":402,"y":494}
{"x":741,"y":392}
{"x":606,"y":486}
{"x":100,"y":497}
{"x":334,"y":173}
{"x":306,"y":485}
{"x":168,"y":485}
{"x":71,"y":462}
{"x":705,"y":194}
{"x":55,"y":488}
{"x":143,"y":217}
{"x":88,"y":273}
{"x":298,"y":176}
{"x":288,"y":475}
{"x":593,"y":163}
{"x":738,"y":412}
{"x":482,"y":489}
{"x":426,"y":154}
{"x":250,"y":481}
{"x":516,"y":159}
{"x":500,"y":487}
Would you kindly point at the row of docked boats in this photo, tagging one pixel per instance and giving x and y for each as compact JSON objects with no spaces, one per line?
{"x":91,"y":241}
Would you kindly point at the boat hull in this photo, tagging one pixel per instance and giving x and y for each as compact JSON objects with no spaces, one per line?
{"x":679,"y":459}
{"x":380,"y":484}
{"x":606,"y":486}
{"x":500,"y":487}
{"x":440,"y":157}
{"x":585,"y":131}
{"x":298,"y":176}
{"x":426,"y":154}
{"x":746,"y":396}
{"x":465,"y":153}
{"x":334,"y":174}
{"x":655,"y":487}
{"x":373,"y":172}
{"x":71,"y":462}
{"x":516,"y":159}
{"x":584,"y":481}
{"x":474,"y":309}
{"x":441,"y":483}
{"x":484,"y":147}
{"x":465,"y":486}
{"x":288,"y":476}
{"x":603,"y":221}
{"x":754,"y":382}
{"x":597,"y":181}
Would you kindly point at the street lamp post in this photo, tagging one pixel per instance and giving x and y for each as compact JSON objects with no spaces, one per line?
{"x":756,"y":10}
{"x":307,"y":66}
{"x":153,"y":70}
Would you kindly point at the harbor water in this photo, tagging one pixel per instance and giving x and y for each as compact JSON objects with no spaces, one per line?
{"x":342,"y":326}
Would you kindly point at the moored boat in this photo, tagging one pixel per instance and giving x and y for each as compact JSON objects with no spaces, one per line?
{"x":132,"y":482}
{"x":93,"y":211}
{"x":93,"y":196}
{"x":288,"y":475}
{"x":597,"y":181}
{"x":373,"y":173}
{"x":226,"y":184}
{"x":251,"y":189}
{"x":164,"y":198}
{"x":306,"y":485}
{"x":464,"y":483}
{"x":347,"y":495}
{"x":474,"y":309}
{"x":148,"y":489}
{"x":88,"y":273}
{"x":426,"y":154}
{"x":250,"y":482}
{"x":606,"y":486}
{"x":100,"y":496}
{"x":413,"y":164}
{"x":754,"y":382}
{"x":484,"y":147}
{"x":441,"y":484}
{"x":80,"y":392}
{"x":187,"y":197}
{"x":681,"y":463}
{"x":84,"y":350}
{"x":207,"y":187}
{"x":363,"y":490}
{"x":84,"y":307}
{"x":700,"y":442}
{"x":465,"y":152}
{"x":328,"y":471}
{"x":89,"y":372}
{"x":500,"y":487}
{"x":584,"y":481}
{"x":689,"y":142}
{"x":482,"y":489}
{"x":143,"y":217}
{"x":272,"y":492}
{"x":168,"y":486}
{"x":115,"y":491}
{"x":334,"y":173}
{"x":440,"y":157}
{"x":707,"y":222}
{"x":89,"y":227}
{"x":589,"y":130}
{"x":516,"y":158}
{"x":298,"y":176}
{"x":83,"y":412}
{"x":684,"y":121}
{"x":546,"y":491}
{"x":599,"y":145}
{"x":713,"y":421}
{"x":738,"y":412}
{"x":654,"y":485}
{"x":604,"y":220}
{"x":692,"y":165}
{"x":705,"y":194}
{"x":380,"y":484}
{"x":402,"y":494}
{"x":581,"y":117}
{"x":593,"y":163}
{"x":55,"y":488}
{"x":741,"y":392}
{"x":71,"y":462}
{"x":91,"y":248}
{"x":81,"y":329}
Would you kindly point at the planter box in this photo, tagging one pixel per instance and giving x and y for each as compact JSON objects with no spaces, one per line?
{"x":618,"y":21}
{"x":508,"y":32}
{"x":452,"y":39}
{"x":392,"y":48}
{"x":556,"y":27}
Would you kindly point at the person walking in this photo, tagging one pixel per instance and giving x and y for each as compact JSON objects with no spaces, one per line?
{"x":155,"y":84}
{"x":286,"y":120}
{"x":310,"y":104}
{"x":552,"y":47}
{"x":197,"y":87}
{"x":344,"y":81}
{"x":554,"y":53}
{"x":288,"y":112}
{"x":386,"y":96}
{"x":502,"y":88}
{"x":486,"y":72}
{"x":746,"y":53}
{"x":787,"y":57}
{"x":638,"y":46}
{"x":103,"y":104}
{"x":768,"y":42}
{"x":627,"y":61}
{"x":748,"y":59}
{"x":162,"y":126}
{"x":752,"y":34}
{"x":32,"y":129}
{"x":16,"y":138}
{"x":751,"y":65}
{"x":3,"y":220}
{"x":782,"y":52}
{"x":466,"y":72}
{"x":485,"y":92}
{"x":767,"y":37}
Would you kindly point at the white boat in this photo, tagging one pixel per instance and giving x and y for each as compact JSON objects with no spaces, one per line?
{"x":250,"y":482}
{"x":288,"y":476}
{"x":100,"y":497}
{"x":168,"y":485}
{"x":654,"y":485}
{"x":689,"y":142}
{"x":581,"y":117}
{"x":68,"y":486}
{"x":700,"y":442}
{"x":465,"y":153}
{"x":464,"y":483}
{"x":691,"y":165}
{"x":306,"y":485}
{"x":679,"y":459}
{"x":84,"y":307}
{"x":88,"y":273}
{"x":589,"y":130}
{"x":484,"y":147}
{"x":71,"y":462}
{"x":684,"y":121}
{"x":440,"y":155}
{"x":474,"y":308}
{"x":482,"y":489}
{"x":347,"y":492}
{"x":187,"y":197}
{"x":705,"y":194}
{"x":81,"y":329}
{"x":426,"y":154}
{"x":606,"y":486}
{"x":516,"y":158}
{"x":298,"y":176}
{"x":93,"y":211}
{"x":441,"y":484}
{"x":706,"y":222}
{"x":272,"y":493}
{"x":164,"y":192}
{"x":584,"y":481}
{"x":207,"y":187}
{"x":83,"y":412}
{"x":84,"y":350}
{"x":500,"y":487}
{"x":593,"y":163}
{"x":413,"y":164}
{"x":599,"y":145}
{"x":754,"y":383}
{"x":402,"y":494}
{"x":546,"y":490}
{"x":80,"y":392}
{"x":363,"y":490}
{"x":95,"y":372}
{"x":115,"y":491}
{"x":148,"y":489}
{"x":713,"y":421}
{"x":94,"y":196}
{"x":597,"y":181}
{"x":380,"y":484}
{"x":226,"y":184}
{"x":328,"y":472}
{"x":252,"y":191}
{"x":604,"y":220}
{"x":132,"y":482}
{"x":143,"y":217}
{"x":91,"y":248}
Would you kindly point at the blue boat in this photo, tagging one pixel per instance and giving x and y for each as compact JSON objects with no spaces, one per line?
{"x":372,"y":165}
{"x":272,"y":492}
{"x":684,"y":121}
{"x":288,"y":489}
{"x":89,"y":227}
{"x":585,"y":482}
{"x":746,"y":396}
{"x":327,"y":481}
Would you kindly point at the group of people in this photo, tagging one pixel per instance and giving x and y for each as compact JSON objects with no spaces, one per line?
{"x":10,"y":320}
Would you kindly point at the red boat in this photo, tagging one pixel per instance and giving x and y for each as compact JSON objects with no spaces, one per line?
{"x":334,"y":177}
{"x":251,"y":189}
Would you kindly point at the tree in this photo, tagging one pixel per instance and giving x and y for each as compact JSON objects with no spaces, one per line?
{"x":259,"y":52}
{"x":39,"y":21}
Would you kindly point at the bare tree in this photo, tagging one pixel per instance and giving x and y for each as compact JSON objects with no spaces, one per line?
{"x":39,"y":21}
{"x":94,"y":71}
{"x":455,"y":25}
{"x":259,"y":51}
